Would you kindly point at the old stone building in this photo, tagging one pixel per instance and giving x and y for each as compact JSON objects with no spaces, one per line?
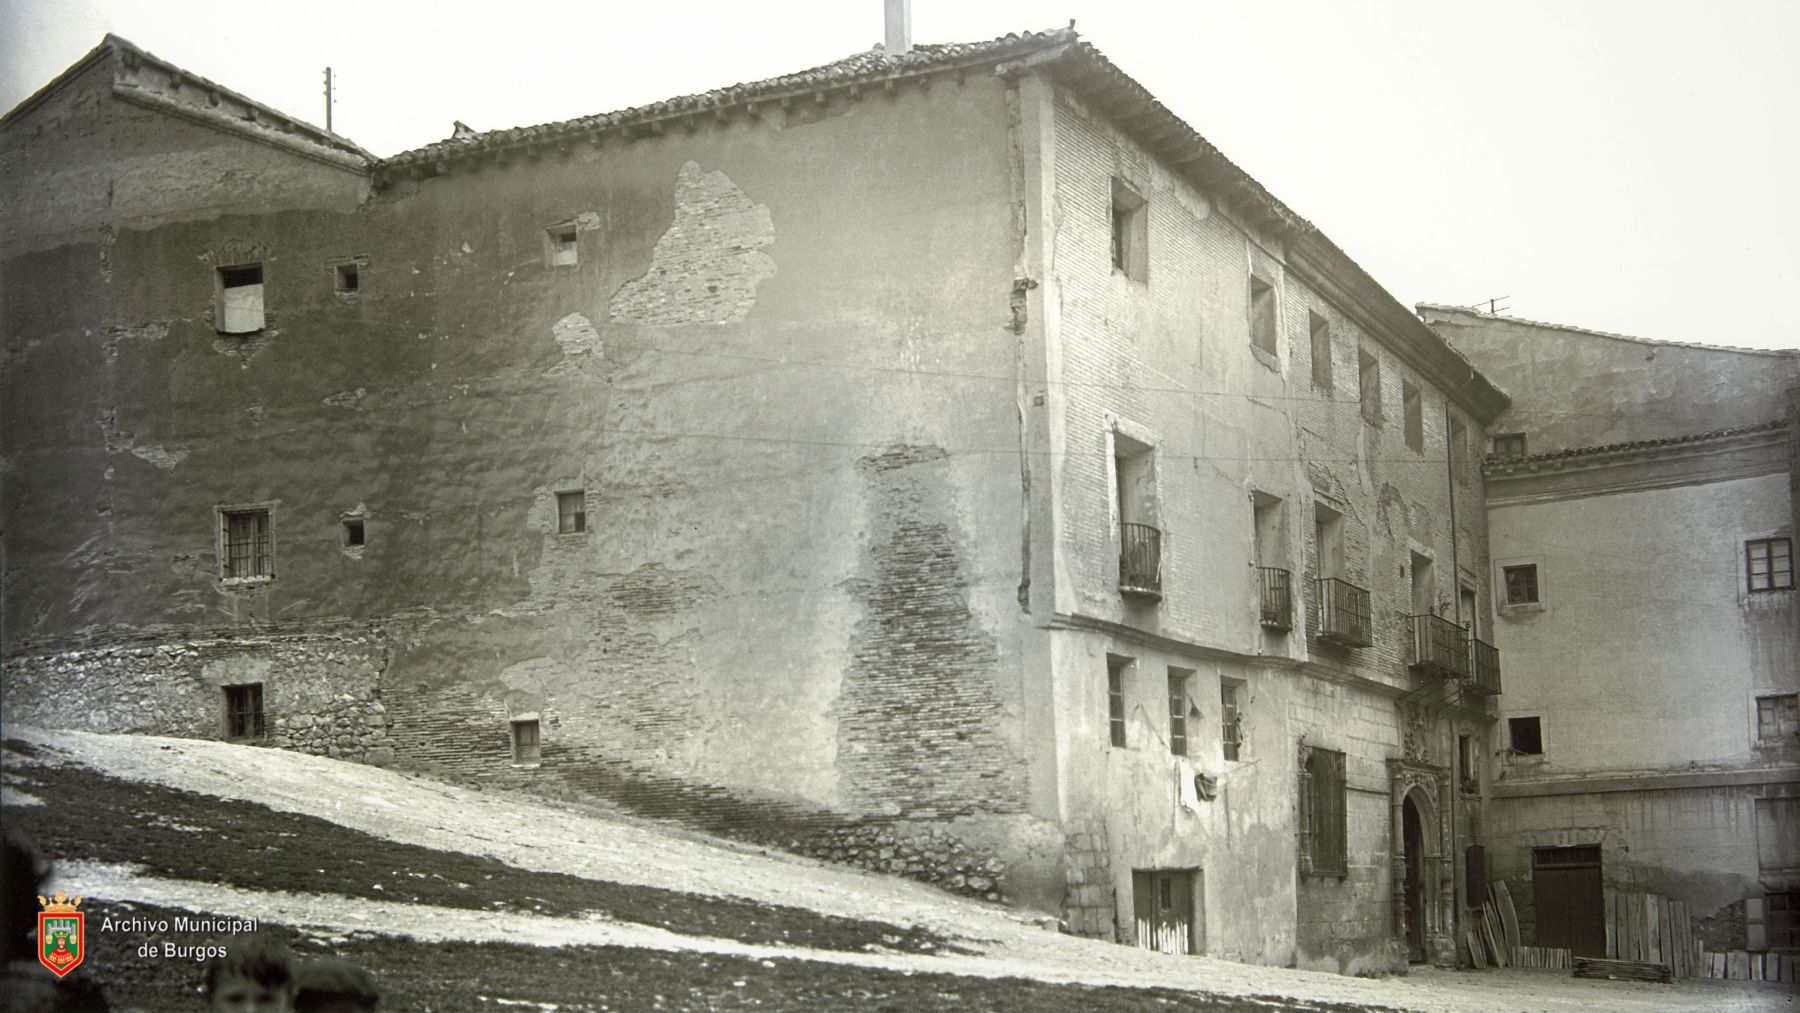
{"x":946,"y":444}
{"x":1641,"y":525}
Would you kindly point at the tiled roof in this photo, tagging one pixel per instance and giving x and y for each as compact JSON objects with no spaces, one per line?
{"x":861,"y":68}
{"x":1571,"y":329}
{"x":1638,"y":445}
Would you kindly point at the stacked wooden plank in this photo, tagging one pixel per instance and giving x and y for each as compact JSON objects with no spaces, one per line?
{"x":1745,"y":966}
{"x":1648,"y":928}
{"x":1554,"y":957}
{"x":1635,"y":970}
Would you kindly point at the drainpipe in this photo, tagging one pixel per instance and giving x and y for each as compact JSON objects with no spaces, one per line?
{"x":1456,"y":884}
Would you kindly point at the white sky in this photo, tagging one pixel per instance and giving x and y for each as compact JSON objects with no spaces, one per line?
{"x":1625,"y":166}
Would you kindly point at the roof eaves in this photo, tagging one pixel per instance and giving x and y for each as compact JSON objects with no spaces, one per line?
{"x":1637,"y":446}
{"x":92,"y":58}
{"x":1471,"y":311}
{"x":867,"y":67}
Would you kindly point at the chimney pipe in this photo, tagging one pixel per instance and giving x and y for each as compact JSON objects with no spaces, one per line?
{"x":899,"y":27}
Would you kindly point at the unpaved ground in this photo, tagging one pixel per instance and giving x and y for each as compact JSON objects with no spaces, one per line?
{"x":572,"y":840}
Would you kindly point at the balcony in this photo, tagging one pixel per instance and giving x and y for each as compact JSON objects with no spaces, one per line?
{"x":1344,"y":614}
{"x":1277,"y":598}
{"x":1140,"y":560}
{"x":1484,"y":669}
{"x":1440,"y":647}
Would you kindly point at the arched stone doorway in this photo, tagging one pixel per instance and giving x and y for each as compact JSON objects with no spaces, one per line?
{"x":1412,"y":835}
{"x":1423,"y":889}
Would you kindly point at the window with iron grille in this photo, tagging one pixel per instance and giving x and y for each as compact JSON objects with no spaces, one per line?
{"x":1777,"y":718}
{"x":1231,"y":718}
{"x":246,"y":544}
{"x":1323,"y":814}
{"x":244,"y":711}
{"x":1178,"y":707}
{"x":1115,"y":699}
{"x":571,"y":512}
{"x":1769,"y":563}
{"x":1521,"y":583}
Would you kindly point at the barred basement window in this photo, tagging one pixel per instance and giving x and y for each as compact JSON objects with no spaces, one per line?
{"x":1323,"y":814}
{"x":244,"y":711}
{"x":246,"y":544}
{"x":1770,"y":564}
{"x":1115,"y":700}
{"x":525,"y":742}
{"x":571,"y":512}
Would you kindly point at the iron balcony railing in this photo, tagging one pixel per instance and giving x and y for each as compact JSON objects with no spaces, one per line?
{"x":1140,"y":560}
{"x":1484,"y":668}
{"x":1277,"y":598}
{"x":1440,"y":647}
{"x":1344,"y":614}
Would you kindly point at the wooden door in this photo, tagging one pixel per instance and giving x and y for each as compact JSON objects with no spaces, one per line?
{"x":1164,"y":909}
{"x":1413,"y":834}
{"x":1566,"y":891}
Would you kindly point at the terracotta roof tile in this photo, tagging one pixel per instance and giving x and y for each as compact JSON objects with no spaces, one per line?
{"x":1637,"y":445}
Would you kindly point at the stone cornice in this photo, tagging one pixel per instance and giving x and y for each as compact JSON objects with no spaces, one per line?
{"x":1649,"y":781}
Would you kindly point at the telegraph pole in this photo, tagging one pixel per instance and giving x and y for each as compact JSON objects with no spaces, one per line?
{"x":328,"y":100}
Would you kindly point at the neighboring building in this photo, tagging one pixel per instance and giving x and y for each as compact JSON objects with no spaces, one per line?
{"x":940,"y":441}
{"x":1641,"y":523}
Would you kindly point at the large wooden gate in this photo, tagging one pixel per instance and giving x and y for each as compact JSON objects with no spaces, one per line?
{"x":1566,"y":891}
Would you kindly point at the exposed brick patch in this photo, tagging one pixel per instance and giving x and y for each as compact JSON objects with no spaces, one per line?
{"x":706,"y":267}
{"x":918,"y":714}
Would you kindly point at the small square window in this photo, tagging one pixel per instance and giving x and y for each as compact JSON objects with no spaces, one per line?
{"x":1509,"y":445}
{"x":353,"y":532}
{"x":1777,"y":719}
{"x":1321,"y":350}
{"x":560,"y":245}
{"x":244,"y":711}
{"x":238,"y":299}
{"x":1769,"y":563}
{"x":525,"y":741}
{"x":571,"y":512}
{"x":1264,"y":332}
{"x":347,"y":277}
{"x":1521,"y":584}
{"x":1368,"y":376}
{"x":1527,"y":736}
{"x":1412,"y":404}
{"x":246,"y":545}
